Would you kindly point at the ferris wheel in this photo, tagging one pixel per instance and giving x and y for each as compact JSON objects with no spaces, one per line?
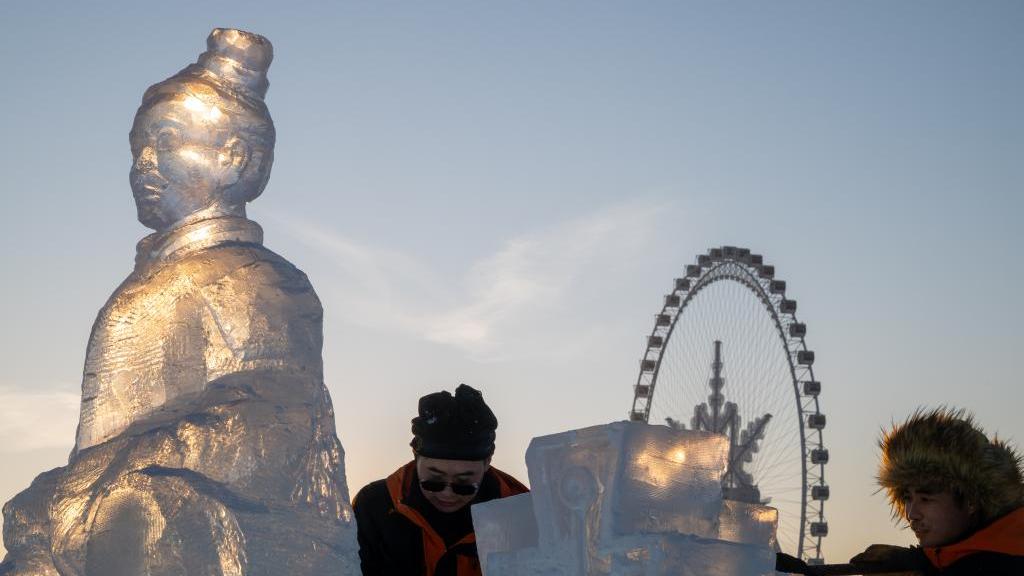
{"x":728,"y":355}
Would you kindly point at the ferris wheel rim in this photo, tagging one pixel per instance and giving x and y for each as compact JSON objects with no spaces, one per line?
{"x":759,"y":278}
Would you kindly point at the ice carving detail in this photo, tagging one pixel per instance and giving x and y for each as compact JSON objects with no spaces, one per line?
{"x":626,"y":498}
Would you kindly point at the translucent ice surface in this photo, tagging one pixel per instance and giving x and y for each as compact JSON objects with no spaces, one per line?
{"x":669,"y":481}
{"x":626,"y":499}
{"x":748,"y":523}
{"x":627,"y":477}
{"x":569,"y":473}
{"x":504,"y":524}
{"x":206,"y":442}
{"x":678,"y":555}
{"x":533,"y":562}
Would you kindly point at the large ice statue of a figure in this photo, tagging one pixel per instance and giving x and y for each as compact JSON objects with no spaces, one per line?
{"x":206,"y":444}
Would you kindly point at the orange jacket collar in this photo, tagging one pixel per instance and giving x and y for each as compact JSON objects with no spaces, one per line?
{"x":1005,"y":535}
{"x":434,"y":549}
{"x":400,"y":483}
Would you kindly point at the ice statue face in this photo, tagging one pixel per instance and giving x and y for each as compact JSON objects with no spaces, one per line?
{"x":450,"y":472}
{"x":937,"y":518}
{"x":185,"y":152}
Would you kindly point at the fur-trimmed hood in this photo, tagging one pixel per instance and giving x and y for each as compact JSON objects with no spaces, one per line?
{"x":944,"y":449}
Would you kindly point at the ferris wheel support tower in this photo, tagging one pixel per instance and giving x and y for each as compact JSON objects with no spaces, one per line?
{"x":794,"y":437}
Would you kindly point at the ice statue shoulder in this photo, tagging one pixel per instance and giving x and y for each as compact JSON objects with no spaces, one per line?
{"x":206,"y":441}
{"x":182,"y":321}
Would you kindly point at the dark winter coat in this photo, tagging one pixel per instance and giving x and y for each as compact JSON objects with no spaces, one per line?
{"x":401,"y":534}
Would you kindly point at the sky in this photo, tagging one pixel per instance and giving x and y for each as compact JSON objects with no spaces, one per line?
{"x":501,"y":194}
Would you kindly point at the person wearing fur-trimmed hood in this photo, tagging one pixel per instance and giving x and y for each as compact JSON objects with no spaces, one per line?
{"x":960,"y":492}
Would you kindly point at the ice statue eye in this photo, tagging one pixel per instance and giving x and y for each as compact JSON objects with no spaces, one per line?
{"x":167,"y":138}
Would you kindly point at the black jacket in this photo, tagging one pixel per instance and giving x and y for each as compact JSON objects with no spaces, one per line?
{"x":401,"y":534}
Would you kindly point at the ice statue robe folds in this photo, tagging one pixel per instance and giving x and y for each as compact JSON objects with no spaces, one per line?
{"x":206,"y":443}
{"x":204,"y":301}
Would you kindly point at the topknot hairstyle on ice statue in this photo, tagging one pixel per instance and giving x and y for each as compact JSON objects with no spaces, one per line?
{"x":943,"y":449}
{"x":232,"y":76}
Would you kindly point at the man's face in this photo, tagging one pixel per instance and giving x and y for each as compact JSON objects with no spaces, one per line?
{"x":451,"y":472}
{"x":936,"y":518}
{"x":181,"y":160}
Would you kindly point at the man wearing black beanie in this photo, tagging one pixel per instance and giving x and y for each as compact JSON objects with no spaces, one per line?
{"x":417,"y":521}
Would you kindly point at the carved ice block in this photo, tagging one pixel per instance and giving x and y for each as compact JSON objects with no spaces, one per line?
{"x":626,"y":499}
{"x":669,"y":481}
{"x":679,"y":555}
{"x":626,"y":477}
{"x":504,"y":524}
{"x":748,"y":523}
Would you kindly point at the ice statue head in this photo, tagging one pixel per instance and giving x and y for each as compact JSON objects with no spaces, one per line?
{"x":203,"y":140}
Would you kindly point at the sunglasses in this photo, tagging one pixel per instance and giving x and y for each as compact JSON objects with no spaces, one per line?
{"x":458,"y":488}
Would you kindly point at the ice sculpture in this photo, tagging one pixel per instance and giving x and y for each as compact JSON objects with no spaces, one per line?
{"x":626,"y":498}
{"x":206,"y":443}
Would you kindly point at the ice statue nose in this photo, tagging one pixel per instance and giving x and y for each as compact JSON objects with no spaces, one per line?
{"x":146,"y":160}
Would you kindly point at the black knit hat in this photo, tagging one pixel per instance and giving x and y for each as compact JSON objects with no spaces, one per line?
{"x":459,"y":427}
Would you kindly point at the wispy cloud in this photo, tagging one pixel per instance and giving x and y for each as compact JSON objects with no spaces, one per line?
{"x":31,"y":420}
{"x":530,"y":274}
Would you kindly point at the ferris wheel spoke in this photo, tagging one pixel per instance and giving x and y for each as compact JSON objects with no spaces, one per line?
{"x":732,"y":308}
